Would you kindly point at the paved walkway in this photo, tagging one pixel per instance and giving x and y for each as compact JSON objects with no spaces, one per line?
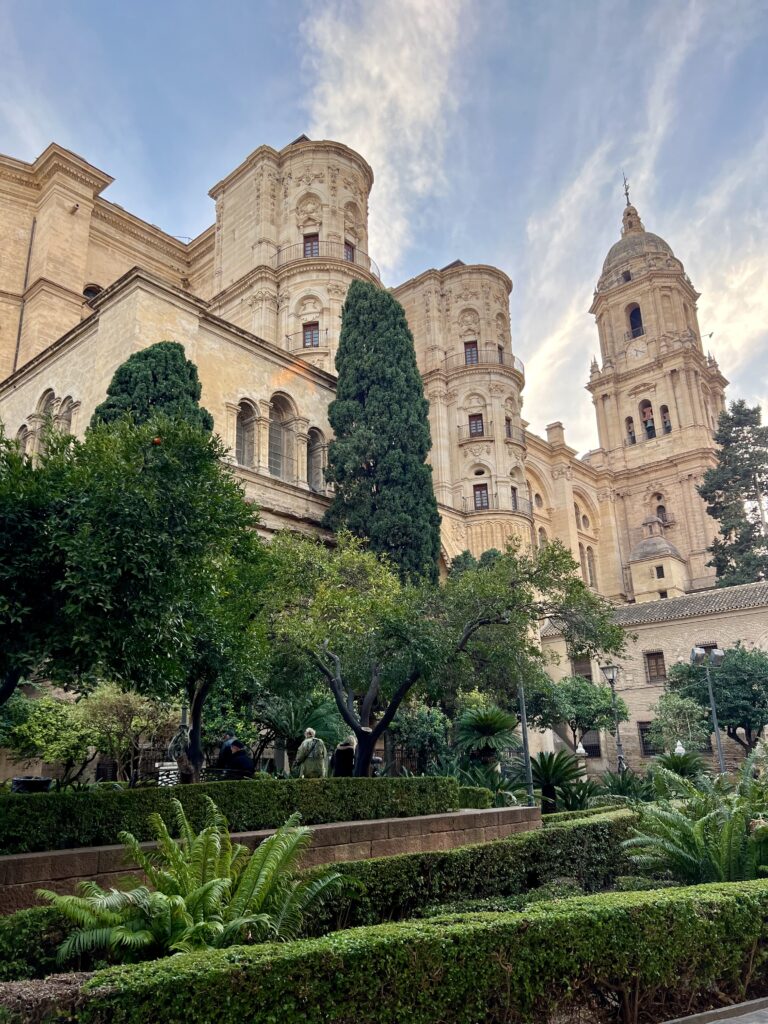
{"x":755,"y":1012}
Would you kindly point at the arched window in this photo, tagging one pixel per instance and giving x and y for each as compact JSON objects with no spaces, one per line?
{"x":543,"y":539}
{"x":629,"y":425}
{"x":591,"y":570}
{"x":245,"y":436}
{"x":23,"y":438}
{"x":538,"y":500}
{"x":666,"y":420}
{"x":577,"y":513}
{"x":646,"y":418}
{"x":64,"y":419}
{"x":661,"y":513}
{"x":583,"y":560}
{"x":45,"y":409}
{"x":91,"y":291}
{"x":280,"y":449}
{"x":315,"y":460}
{"x":635,"y":321}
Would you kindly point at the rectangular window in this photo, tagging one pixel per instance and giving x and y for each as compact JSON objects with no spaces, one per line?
{"x":647,"y":747}
{"x":659,"y":572}
{"x":476,"y":425}
{"x":507,"y":427}
{"x":582,"y":667}
{"x":655,"y":668}
{"x":311,"y":245}
{"x":514,"y":499}
{"x":591,"y":742}
{"x":480,"y":492}
{"x":349,"y":252}
{"x":470,"y":353}
{"x":663,"y":595}
{"x":311,"y":335}
{"x":500,"y":350}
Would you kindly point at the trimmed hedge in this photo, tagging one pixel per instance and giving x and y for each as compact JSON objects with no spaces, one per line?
{"x":587,"y":812}
{"x":392,"y":888}
{"x":33,"y":822}
{"x":475,"y":796}
{"x":598,"y":956}
{"x":387,"y":888}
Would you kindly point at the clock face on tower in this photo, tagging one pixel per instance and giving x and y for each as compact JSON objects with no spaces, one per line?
{"x":636,"y":350}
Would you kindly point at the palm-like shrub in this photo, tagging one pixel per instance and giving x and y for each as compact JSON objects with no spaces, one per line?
{"x":627,"y":785}
{"x":551,"y":773}
{"x":505,"y":791}
{"x":705,"y":831}
{"x":206,"y":893}
{"x":577,"y":796}
{"x":485,"y":733}
{"x":687,"y":765}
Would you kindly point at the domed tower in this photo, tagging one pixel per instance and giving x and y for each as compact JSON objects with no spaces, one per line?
{"x":459,"y":317}
{"x":291,"y":233}
{"x":657,"y":399}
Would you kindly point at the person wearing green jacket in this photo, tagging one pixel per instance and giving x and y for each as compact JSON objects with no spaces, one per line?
{"x":311,"y":758}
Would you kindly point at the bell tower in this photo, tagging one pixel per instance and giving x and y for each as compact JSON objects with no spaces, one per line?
{"x":657,"y":399}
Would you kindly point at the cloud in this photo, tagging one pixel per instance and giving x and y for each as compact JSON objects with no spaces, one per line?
{"x":385,"y":81}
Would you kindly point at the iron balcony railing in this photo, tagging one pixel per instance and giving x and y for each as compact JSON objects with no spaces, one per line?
{"x":520,"y":506}
{"x":485,"y":356}
{"x":472,"y":432}
{"x":633,"y":439}
{"x":636,"y":332}
{"x":324,"y":251}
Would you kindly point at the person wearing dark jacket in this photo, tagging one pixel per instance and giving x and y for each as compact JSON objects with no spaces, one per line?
{"x":225,"y":750}
{"x":344,"y":758}
{"x":240,"y":760}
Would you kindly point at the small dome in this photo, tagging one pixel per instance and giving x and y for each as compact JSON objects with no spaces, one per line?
{"x":635,"y":241}
{"x":653,"y":547}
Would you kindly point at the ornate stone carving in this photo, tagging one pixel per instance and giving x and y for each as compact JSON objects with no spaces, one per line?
{"x":337,"y":291}
{"x":469,"y":322}
{"x":562,"y":471}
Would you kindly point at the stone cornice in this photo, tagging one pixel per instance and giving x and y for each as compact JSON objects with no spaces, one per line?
{"x":244,"y":283}
{"x":447,"y":273}
{"x":150,"y":235}
{"x":57,"y":160}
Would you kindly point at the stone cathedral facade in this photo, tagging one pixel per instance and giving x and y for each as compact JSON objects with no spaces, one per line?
{"x":256,"y":301}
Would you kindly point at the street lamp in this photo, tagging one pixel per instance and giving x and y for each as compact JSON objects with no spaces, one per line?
{"x":526,"y":748}
{"x":699,"y":658}
{"x":611,"y":673}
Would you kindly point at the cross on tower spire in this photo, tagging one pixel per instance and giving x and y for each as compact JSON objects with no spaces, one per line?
{"x":626,"y":187}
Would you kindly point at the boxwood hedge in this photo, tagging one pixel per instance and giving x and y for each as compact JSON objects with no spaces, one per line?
{"x":392,"y":888}
{"x":93,"y":817}
{"x":475,"y":796}
{"x":601,"y":957}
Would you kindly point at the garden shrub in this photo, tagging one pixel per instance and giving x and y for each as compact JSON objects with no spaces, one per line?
{"x":475,"y":796}
{"x":563,"y":888}
{"x":28,"y":942}
{"x":391,"y":888}
{"x":587,"y":812}
{"x":597,"y":957}
{"x":94,"y":816}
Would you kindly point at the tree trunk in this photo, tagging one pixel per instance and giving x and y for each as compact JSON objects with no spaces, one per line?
{"x":366,"y":743}
{"x":195,"y":750}
{"x":8,"y":684}
{"x":548,"y":799}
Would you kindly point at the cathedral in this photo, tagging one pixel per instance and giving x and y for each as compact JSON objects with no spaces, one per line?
{"x":256,"y":300}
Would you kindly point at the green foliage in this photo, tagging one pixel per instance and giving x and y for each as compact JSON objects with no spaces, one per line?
{"x":475,"y":796}
{"x":627,"y":785}
{"x":687,"y":766}
{"x":735,"y":492}
{"x":422,"y":730}
{"x":740,"y":686}
{"x":51,"y":729}
{"x":102,"y":542}
{"x":551,"y":773}
{"x":561,"y":889}
{"x":617,"y":952}
{"x":377,"y":459}
{"x":158,"y":379}
{"x":578,"y":796}
{"x":487,"y":733}
{"x":29,"y":940}
{"x":206,"y":892}
{"x":700,"y":832}
{"x":552,"y":820}
{"x":581,"y":704}
{"x":41,"y":821}
{"x":679,"y":719}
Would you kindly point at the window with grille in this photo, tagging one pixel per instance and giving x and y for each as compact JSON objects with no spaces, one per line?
{"x":349,"y":252}
{"x":311,"y":335}
{"x":476,"y":425}
{"x":311,"y":245}
{"x":508,"y":427}
{"x":514,"y":499}
{"x":480,"y":492}
{"x":591,"y":742}
{"x":655,"y":668}
{"x":647,"y":746}
{"x":582,"y":667}
{"x":659,"y":572}
{"x":500,"y":351}
{"x":471,"y":357}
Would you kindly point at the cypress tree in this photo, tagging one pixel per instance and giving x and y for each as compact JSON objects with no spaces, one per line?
{"x":379,"y":417}
{"x":735,"y":492}
{"x":158,"y":379}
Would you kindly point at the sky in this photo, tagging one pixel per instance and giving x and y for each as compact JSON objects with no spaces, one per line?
{"x":498,"y":131}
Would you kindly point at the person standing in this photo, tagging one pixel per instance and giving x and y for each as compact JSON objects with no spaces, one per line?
{"x":344,"y":758}
{"x":311,"y":756}
{"x":240,"y":761}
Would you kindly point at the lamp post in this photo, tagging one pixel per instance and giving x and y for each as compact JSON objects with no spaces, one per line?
{"x":611,"y":673}
{"x":699,"y":658}
{"x":526,"y":748}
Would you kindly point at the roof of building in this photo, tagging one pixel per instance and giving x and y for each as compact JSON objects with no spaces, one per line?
{"x":707,"y":602}
{"x":653,"y":547}
{"x":635,"y":241}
